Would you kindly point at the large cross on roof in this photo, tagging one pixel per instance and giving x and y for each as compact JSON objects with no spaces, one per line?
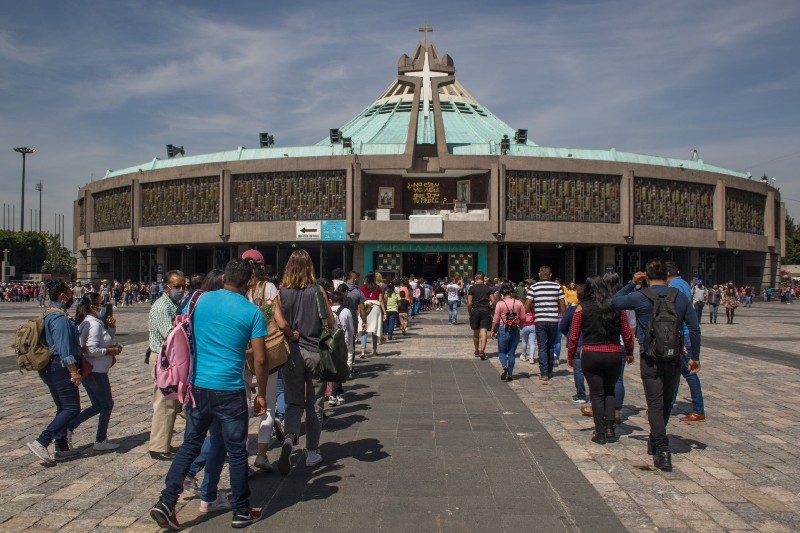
{"x":425,"y":29}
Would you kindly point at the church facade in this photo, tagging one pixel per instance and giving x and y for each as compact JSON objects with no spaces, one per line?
{"x":427,"y":181}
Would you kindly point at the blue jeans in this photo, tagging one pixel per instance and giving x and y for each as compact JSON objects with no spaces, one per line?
{"x":212,"y":458}
{"x":528,"y":339}
{"x":452,"y":310}
{"x":577,"y":376}
{"x":506,"y":346}
{"x":364,"y":341}
{"x":229,"y":409}
{"x":713,"y":312}
{"x":693,"y":380}
{"x":98,"y":388}
{"x":546,"y":336}
{"x":68,"y":404}
{"x":619,"y":387}
{"x":391,"y":321}
{"x":280,"y":409}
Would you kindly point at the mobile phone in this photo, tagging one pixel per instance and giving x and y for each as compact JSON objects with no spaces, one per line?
{"x":109,"y":310}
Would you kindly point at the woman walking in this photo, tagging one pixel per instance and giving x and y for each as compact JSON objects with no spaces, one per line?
{"x":508,"y":315}
{"x":730,"y":301}
{"x":303,"y":389}
{"x":370,"y":318}
{"x":600,"y":352}
{"x":96,"y":332}
{"x":391,"y":301}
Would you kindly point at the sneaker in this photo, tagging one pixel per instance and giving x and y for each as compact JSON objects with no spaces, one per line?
{"x":262,"y":463}
{"x":66,"y":454}
{"x":164,"y":516}
{"x":190,"y":485}
{"x":284,"y":464}
{"x":340,"y":399}
{"x":40,"y":452}
{"x":313,"y":457}
{"x":576,"y":399}
{"x":280,"y":433}
{"x":332,"y":401}
{"x":222,"y":503}
{"x":245,"y":518}
{"x":524,"y":358}
{"x":105,"y":446}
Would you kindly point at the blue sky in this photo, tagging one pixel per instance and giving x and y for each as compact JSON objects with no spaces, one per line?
{"x":106,"y":85}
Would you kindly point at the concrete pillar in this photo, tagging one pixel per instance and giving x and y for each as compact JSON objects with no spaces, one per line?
{"x":358,"y":258}
{"x":493,"y":260}
{"x":225,"y":204}
{"x":136,"y":209}
{"x":694,"y":263}
{"x":719,"y":211}
{"x":607,"y":257}
{"x":626,"y":193}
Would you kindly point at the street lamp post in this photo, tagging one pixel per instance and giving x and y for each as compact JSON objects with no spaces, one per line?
{"x":24,"y":150}
{"x":39,"y":188}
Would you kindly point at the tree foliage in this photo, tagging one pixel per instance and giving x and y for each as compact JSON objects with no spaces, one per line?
{"x":792,"y":243}
{"x":31,"y":251}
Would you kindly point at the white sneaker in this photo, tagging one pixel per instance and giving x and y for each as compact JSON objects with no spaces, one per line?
{"x":105,"y":446}
{"x":332,"y":401}
{"x":222,"y":503}
{"x":340,"y":399}
{"x":40,"y":452}
{"x":313,"y":457}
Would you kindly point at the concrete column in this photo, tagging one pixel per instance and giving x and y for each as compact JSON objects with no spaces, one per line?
{"x":493,"y":260}
{"x":719,"y":211}
{"x":358,"y":258}
{"x":354,"y":194}
{"x":626,"y":204}
{"x":136,"y":209}
{"x":606,"y":257}
{"x":694,"y":262}
{"x":495,"y":216}
{"x":769,"y":220}
{"x":782,"y":237}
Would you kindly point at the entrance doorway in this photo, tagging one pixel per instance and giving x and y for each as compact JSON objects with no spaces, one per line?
{"x":429,"y":265}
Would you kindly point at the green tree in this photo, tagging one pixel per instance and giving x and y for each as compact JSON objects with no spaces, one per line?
{"x":792,"y":243}
{"x":58,"y":260}
{"x":27,"y":250}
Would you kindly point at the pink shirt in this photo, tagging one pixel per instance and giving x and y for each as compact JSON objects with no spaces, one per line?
{"x":507,"y":306}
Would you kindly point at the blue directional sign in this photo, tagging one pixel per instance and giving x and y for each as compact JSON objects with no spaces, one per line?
{"x":334,"y":230}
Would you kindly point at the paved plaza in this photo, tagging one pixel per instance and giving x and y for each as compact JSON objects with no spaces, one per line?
{"x":430,"y":439}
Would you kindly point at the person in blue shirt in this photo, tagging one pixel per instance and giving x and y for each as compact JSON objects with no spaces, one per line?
{"x":698,"y":413}
{"x":659,"y":379}
{"x":224,"y":323}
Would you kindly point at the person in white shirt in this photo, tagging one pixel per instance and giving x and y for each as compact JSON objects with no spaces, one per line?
{"x":343,"y":320}
{"x":99,"y":352}
{"x":453,"y":298}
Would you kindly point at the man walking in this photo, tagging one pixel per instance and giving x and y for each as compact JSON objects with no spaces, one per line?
{"x":659,"y":378}
{"x":698,"y":295}
{"x":225,"y":322}
{"x":479,"y":299}
{"x":674,"y":279}
{"x":162,"y":313}
{"x":546,"y":298}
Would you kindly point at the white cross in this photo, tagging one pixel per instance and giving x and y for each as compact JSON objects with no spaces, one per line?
{"x":426,"y":76}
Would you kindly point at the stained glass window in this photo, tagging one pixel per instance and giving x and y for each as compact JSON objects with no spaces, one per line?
{"x":680,"y":204}
{"x":562,"y":197}
{"x":112,"y":209}
{"x":183,"y":201}
{"x":744,"y":211}
{"x":315,"y":195}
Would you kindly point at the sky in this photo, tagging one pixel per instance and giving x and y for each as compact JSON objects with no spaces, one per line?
{"x":94,"y":85}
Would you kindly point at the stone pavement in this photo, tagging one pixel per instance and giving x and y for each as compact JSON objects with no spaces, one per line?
{"x":431,"y":439}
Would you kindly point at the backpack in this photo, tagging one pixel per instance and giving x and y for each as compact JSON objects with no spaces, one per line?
{"x":663,"y":339}
{"x":30,"y":345}
{"x":176,"y":358}
{"x":512,"y":319}
{"x":332,"y":364}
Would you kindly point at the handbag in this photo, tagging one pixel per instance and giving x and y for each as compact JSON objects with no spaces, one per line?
{"x":332,"y":364}
{"x":275,"y":341}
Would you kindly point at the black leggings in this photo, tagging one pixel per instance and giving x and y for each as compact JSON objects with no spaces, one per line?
{"x":601,"y":370}
{"x":729,"y":312}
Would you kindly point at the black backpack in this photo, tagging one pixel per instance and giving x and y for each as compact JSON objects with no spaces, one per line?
{"x":663,"y":339}
{"x":511,"y":318}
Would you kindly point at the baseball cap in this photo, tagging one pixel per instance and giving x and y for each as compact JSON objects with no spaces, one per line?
{"x":254,"y":255}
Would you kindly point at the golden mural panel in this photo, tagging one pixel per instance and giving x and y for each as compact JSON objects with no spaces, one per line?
{"x":672,"y":203}
{"x":183,"y":201}
{"x":112,"y":209}
{"x":306,"y":195}
{"x":744,"y":211}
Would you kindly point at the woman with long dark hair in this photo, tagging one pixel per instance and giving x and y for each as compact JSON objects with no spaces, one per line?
{"x":303,"y":388}
{"x":96,"y":331}
{"x":600,"y":353}
{"x":509,"y":314}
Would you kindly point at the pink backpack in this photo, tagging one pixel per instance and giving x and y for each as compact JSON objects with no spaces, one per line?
{"x":176,"y":358}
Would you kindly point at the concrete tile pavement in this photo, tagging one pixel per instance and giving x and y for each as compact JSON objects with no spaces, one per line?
{"x":737,"y":470}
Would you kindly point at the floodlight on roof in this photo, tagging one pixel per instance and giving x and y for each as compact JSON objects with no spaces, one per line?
{"x":521,"y":136}
{"x":266,"y":140}
{"x":505,"y":145}
{"x":173,"y":150}
{"x":335,"y":135}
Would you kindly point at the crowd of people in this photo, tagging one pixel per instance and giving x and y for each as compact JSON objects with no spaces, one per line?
{"x":235,"y":310}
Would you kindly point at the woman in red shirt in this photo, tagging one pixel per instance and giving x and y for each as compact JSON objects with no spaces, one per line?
{"x":371,"y":321}
{"x":600,"y":352}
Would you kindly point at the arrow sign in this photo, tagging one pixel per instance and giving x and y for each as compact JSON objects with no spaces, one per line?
{"x":308,"y":230}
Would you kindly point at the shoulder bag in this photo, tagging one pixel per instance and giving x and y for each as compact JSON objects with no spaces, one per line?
{"x":332,"y":364}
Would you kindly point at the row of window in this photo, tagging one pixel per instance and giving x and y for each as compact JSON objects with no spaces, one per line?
{"x":530,"y":195}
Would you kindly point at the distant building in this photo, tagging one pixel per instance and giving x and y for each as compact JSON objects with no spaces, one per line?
{"x":426,"y":180}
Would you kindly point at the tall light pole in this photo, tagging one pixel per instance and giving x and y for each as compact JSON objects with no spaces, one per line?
{"x":24,"y":150}
{"x":39,"y":188}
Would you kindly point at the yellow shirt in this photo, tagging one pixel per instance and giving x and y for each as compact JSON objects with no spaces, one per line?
{"x":570,"y":296}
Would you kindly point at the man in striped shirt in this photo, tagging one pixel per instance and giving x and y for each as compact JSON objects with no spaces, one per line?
{"x":546,"y":299}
